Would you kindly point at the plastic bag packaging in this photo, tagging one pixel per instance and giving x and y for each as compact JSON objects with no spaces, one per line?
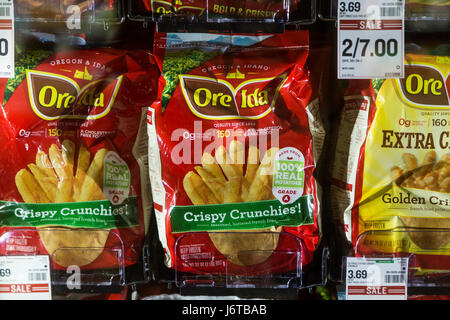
{"x":234,"y":138}
{"x":390,"y":182}
{"x":221,"y":10}
{"x":72,"y":129}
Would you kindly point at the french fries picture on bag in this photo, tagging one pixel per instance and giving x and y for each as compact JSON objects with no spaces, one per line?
{"x":74,"y":158}
{"x":52,"y":180}
{"x":232,"y":154}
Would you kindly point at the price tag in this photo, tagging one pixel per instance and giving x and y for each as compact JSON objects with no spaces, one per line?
{"x":370,"y":39}
{"x":25,"y":278}
{"x":6,"y":39}
{"x":376,"y":278}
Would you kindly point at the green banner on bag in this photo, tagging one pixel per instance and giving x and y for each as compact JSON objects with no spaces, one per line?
{"x":90,"y":214}
{"x":243,"y":215}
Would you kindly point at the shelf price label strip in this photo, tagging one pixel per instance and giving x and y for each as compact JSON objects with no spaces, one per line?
{"x":6,"y":39}
{"x":376,"y":278}
{"x":25,"y":278}
{"x":370,"y":39}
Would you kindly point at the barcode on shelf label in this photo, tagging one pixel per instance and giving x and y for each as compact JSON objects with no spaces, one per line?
{"x":394,"y":278}
{"x":376,"y":278}
{"x":37,"y":276}
{"x":5,"y":12}
{"x":391,"y":11}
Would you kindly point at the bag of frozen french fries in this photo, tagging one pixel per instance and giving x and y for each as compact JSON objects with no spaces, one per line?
{"x":391,"y":174}
{"x":73,"y":156}
{"x":234,"y":137}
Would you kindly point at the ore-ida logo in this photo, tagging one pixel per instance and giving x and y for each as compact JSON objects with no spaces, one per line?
{"x":53,"y":96}
{"x":211,"y":98}
{"x":424,"y":86}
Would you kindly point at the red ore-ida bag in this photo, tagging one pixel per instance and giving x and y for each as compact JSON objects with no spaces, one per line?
{"x":234,"y":138}
{"x":73,"y":160}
